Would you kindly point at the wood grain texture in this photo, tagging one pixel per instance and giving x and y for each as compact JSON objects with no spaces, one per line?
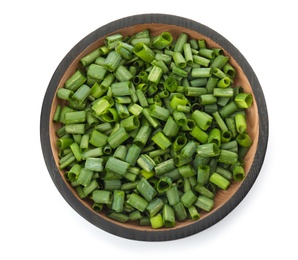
{"x":257,"y":119}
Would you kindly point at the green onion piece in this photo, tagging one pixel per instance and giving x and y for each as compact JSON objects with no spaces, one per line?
{"x":182,"y":39}
{"x":186,"y":171}
{"x":97,"y":207}
{"x":204,"y":203}
{"x":64,"y":142}
{"x":145,"y":221}
{"x":201,"y":72}
{"x":146,"y":162}
{"x":224,"y":172}
{"x":244,"y":140}
{"x":100,"y":105}
{"x":179,"y":142}
{"x":135,"y":215}
{"x":123,"y":74}
{"x":224,"y":82}
{"x":178,"y":99}
{"x":111,"y":41}
{"x":96,"y":72}
{"x":221,"y":123}
{"x":76,"y":151}
{"x":211,"y":84}
{"x":171,"y":84}
{"x":203,"y":174}
{"x":118,"y":200}
{"x":142,"y":98}
{"x":130,"y":123}
{"x":188,"y":198}
{"x":189,"y":125}
{"x":122,"y":110}
{"x":171,"y":128}
{"x":168,"y":215}
{"x":238,"y":173}
{"x":226,"y":136}
{"x":135,"y":109}
{"x":204,"y":191}
{"x":85,"y":177}
{"x":143,"y":52}
{"x":164,"y":167}
{"x":155,"y":74}
{"x":97,"y":138}
{"x":215,"y":137}
{"x":129,"y":185}
{"x":243,"y":100}
{"x":142,"y":136}
{"x":179,"y":117}
{"x":229,"y":70}
{"x":161,"y":140}
{"x":201,"y":60}
{"x":228,"y":157}
{"x":227,"y":92}
{"x":159,"y":112}
{"x":154,"y":206}
{"x":75,"y":128}
{"x":153,"y":121}
{"x":188,"y":53}
{"x":113,"y":184}
{"x":208,"y":150}
{"x":180,"y":211}
{"x":120,"y":152}
{"x":94,"y":164}
{"x":137,"y":202}
{"x":207,"y":99}
{"x":156,"y":221}
{"x":74,"y":172}
{"x":219,"y":181}
{"x":199,"y":134}
{"x":120,"y":89}
{"x":102,"y":196}
{"x":146,"y":190}
{"x":118,"y":137}
{"x":179,"y":59}
{"x":75,"y":81}
{"x":120,"y":217}
{"x":112,"y":61}
{"x":228,"y":110}
{"x":173,"y":195}
{"x":202,"y":119}
{"x":163,"y":40}
{"x":81,"y":94}
{"x":125,"y":50}
{"x":95,"y":152}
{"x":90,"y":57}
{"x":219,"y":61}
{"x":164,"y":184}
{"x":64,"y":93}
{"x":240,"y":121}
{"x":117,"y":166}
{"x":110,"y":115}
{"x":207,"y":53}
{"x":194,"y":214}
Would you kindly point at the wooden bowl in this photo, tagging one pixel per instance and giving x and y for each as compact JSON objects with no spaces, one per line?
{"x":257,"y":118}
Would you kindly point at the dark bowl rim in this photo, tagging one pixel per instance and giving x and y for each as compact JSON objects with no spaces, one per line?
{"x":156,"y":235}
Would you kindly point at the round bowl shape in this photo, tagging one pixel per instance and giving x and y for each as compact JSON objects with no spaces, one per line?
{"x":257,"y":120}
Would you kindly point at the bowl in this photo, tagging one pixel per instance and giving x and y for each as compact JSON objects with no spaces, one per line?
{"x":257,"y":120}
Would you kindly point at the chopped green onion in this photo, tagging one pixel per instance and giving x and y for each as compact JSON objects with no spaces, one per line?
{"x":151,"y":127}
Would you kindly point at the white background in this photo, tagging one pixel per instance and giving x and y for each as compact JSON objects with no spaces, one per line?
{"x":37,"y":223}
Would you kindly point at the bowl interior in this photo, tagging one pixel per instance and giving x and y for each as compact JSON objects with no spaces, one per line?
{"x":240,"y":80}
